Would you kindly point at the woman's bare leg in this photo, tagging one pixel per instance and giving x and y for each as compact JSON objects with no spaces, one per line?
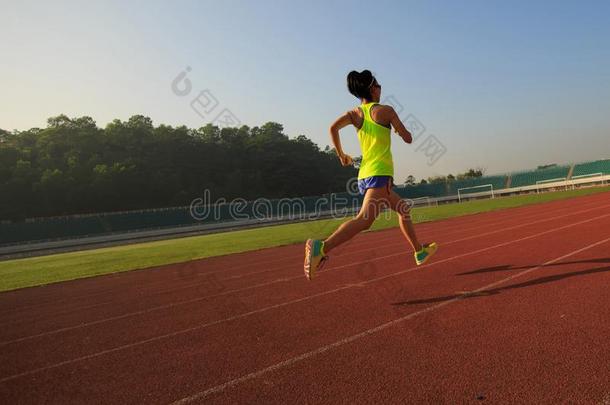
{"x":404,"y":217}
{"x":375,"y":200}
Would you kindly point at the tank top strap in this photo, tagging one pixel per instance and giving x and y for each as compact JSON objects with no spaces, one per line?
{"x":366,"y":109}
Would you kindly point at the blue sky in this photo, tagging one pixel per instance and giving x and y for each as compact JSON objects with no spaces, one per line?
{"x":503,"y":85}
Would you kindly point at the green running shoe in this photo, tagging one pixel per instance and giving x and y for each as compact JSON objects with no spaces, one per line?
{"x":425,"y":253}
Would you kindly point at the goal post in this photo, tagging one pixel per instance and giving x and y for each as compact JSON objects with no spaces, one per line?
{"x":425,"y":200}
{"x":590,"y":175}
{"x":482,"y":186}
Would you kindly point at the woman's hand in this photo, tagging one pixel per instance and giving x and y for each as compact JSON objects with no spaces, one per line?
{"x":346,"y":160}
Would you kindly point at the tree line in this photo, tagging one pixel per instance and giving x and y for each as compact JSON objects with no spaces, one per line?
{"x":72,"y":166}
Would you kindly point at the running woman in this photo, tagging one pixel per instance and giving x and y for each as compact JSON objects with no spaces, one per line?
{"x":375,"y":177}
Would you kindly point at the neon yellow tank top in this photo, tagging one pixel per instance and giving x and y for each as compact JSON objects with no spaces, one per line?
{"x":375,"y":144}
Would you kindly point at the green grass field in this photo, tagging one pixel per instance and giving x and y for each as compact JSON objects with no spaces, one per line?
{"x":42,"y":270}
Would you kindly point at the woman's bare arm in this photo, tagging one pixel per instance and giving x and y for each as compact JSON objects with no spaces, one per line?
{"x":399,"y":128}
{"x":341,"y":122}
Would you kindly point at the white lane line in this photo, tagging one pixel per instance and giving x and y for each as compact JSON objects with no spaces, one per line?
{"x":198,"y":327}
{"x":342,"y":342}
{"x":279,"y":280}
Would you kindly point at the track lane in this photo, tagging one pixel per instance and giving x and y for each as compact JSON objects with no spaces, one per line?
{"x":356,"y":297}
{"x":196,"y":293}
{"x":518,"y":343}
{"x":369,"y":260}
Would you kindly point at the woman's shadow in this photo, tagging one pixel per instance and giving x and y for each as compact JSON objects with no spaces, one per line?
{"x":510,"y":267}
{"x":537,"y":281}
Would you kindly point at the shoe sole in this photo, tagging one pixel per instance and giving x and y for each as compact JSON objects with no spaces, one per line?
{"x":308,"y":257}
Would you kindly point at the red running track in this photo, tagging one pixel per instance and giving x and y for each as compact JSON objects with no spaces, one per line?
{"x":513,"y":309}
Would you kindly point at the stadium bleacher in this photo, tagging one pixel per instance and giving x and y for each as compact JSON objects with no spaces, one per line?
{"x":451,"y":187}
{"x":588,"y":168}
{"x":530,"y":177}
{"x":423,"y":190}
